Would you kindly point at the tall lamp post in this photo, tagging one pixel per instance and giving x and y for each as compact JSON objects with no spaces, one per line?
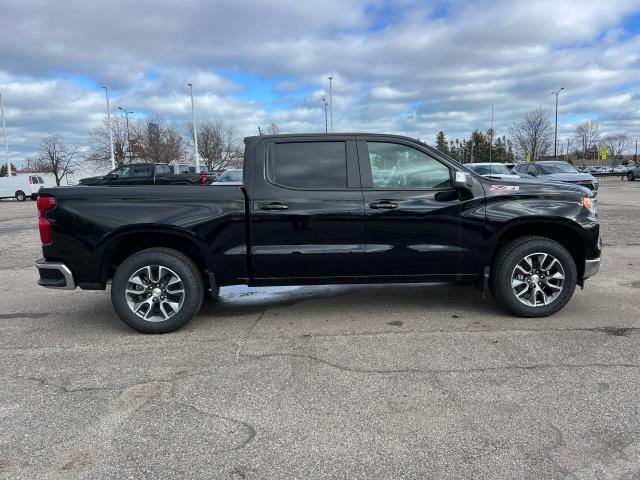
{"x":555,"y":135}
{"x":126,"y":114}
{"x":326,"y":129}
{"x":6,"y":145}
{"x":331,"y":101}
{"x":113,"y":158}
{"x":195,"y":134}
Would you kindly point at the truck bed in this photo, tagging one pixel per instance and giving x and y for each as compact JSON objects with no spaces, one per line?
{"x":91,"y":222}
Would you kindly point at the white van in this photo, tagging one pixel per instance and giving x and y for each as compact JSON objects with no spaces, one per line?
{"x":21,"y":187}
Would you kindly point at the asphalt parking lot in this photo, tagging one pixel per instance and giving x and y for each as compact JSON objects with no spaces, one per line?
{"x":408,"y":381}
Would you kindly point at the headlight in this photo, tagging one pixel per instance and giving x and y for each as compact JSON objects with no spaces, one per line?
{"x":590,"y":204}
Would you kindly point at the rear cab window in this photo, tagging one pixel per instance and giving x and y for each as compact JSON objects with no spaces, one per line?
{"x":309,"y":165}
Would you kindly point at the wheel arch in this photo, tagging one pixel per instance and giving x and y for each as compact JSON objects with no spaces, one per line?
{"x":563,"y":231}
{"x":123,"y":244}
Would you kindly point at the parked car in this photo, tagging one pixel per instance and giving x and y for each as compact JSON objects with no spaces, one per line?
{"x":633,"y":172}
{"x":21,"y":187}
{"x":311,"y":210}
{"x":560,"y":171}
{"x":231,"y":176}
{"x":494,"y":170}
{"x":150,"y":174}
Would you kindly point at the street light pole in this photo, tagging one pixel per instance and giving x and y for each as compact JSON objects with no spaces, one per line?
{"x":555,"y":135}
{"x":195,"y":133}
{"x":113,"y":158}
{"x":126,"y":114}
{"x":331,"y":101}
{"x":324,"y":100}
{"x":6,"y":145}
{"x":491,"y":136}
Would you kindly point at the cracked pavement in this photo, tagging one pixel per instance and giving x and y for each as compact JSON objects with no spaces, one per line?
{"x":382,"y":381}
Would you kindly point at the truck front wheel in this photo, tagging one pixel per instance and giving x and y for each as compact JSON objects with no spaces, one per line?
{"x":631,"y":177}
{"x":157,"y":290}
{"x":533,"y":276}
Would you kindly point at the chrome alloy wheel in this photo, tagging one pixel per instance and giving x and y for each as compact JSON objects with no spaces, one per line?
{"x":537,"y":279}
{"x":155,"y":293}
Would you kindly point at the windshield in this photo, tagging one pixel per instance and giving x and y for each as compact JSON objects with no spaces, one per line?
{"x":493,"y":169}
{"x":549,"y":168}
{"x":231,"y":176}
{"x":122,"y":171}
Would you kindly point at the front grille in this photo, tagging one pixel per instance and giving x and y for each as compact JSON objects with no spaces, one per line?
{"x":586,"y":183}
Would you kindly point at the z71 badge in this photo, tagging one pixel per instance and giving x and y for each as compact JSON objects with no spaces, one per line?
{"x":505,"y":188}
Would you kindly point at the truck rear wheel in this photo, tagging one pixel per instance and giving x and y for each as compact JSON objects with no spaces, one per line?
{"x":157,"y":290}
{"x":533,"y":276}
{"x":20,"y":196}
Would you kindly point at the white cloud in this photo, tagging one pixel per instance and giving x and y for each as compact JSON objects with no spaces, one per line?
{"x":395,"y":69}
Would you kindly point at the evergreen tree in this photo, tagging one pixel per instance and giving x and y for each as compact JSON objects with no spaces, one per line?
{"x":3,"y":169}
{"x":441,"y":142}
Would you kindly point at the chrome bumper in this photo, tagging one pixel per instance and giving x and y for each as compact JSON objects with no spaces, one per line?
{"x":591,"y":267}
{"x":55,"y":275}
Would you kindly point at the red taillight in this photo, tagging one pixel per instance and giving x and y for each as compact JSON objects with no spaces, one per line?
{"x":30,"y":182}
{"x":44,"y":205}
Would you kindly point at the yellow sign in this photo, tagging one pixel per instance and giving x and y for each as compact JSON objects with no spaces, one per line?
{"x":528,"y":157}
{"x":604,"y":153}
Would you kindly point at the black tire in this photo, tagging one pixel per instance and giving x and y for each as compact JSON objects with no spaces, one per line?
{"x":183,"y":267}
{"x":21,"y":196}
{"x":34,"y":197}
{"x":505,"y":262}
{"x":631,"y":177}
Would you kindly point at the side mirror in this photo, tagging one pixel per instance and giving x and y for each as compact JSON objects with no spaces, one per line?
{"x":463,"y":180}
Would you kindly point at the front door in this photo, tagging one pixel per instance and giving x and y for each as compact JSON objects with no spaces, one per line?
{"x":307,"y":210}
{"x":412,"y":224}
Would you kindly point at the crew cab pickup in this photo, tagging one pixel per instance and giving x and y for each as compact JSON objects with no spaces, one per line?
{"x":151,"y":174}
{"x":321,"y":209}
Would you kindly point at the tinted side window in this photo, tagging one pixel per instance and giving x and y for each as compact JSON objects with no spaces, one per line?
{"x":395,"y":166}
{"x":163,"y":170}
{"x":531,"y":170}
{"x":142,"y":171}
{"x":320,"y":165}
{"x":40,"y":180}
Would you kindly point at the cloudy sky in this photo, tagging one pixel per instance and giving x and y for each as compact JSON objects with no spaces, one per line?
{"x":405,"y":66}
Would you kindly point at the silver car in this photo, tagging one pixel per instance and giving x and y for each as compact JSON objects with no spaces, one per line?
{"x":558,"y":171}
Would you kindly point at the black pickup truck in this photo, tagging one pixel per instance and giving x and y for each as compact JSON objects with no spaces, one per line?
{"x":321,"y":209}
{"x":150,"y":174}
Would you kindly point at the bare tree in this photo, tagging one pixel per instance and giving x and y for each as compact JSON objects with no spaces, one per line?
{"x":219,"y":144}
{"x":56,"y":157}
{"x":154,"y":141}
{"x":616,"y":144}
{"x":34,"y":165}
{"x":587,"y":134}
{"x":100,"y":152}
{"x":533,"y":135}
{"x":273,"y":129}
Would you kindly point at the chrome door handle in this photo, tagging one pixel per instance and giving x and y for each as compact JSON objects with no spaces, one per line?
{"x":274,"y":206}
{"x":383,"y":205}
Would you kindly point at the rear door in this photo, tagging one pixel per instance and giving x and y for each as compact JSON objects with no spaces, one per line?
{"x":306,"y":209}
{"x":412,"y":224}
